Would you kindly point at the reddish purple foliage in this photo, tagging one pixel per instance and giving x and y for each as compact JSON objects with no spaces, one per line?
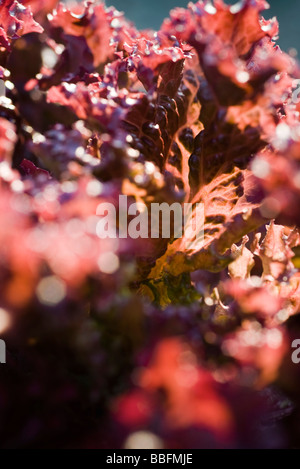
{"x":106,"y":338}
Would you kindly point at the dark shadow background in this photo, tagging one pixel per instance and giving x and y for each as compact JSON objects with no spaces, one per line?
{"x":150,"y":14}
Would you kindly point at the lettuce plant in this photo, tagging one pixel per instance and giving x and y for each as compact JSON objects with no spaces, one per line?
{"x":116,"y":343}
